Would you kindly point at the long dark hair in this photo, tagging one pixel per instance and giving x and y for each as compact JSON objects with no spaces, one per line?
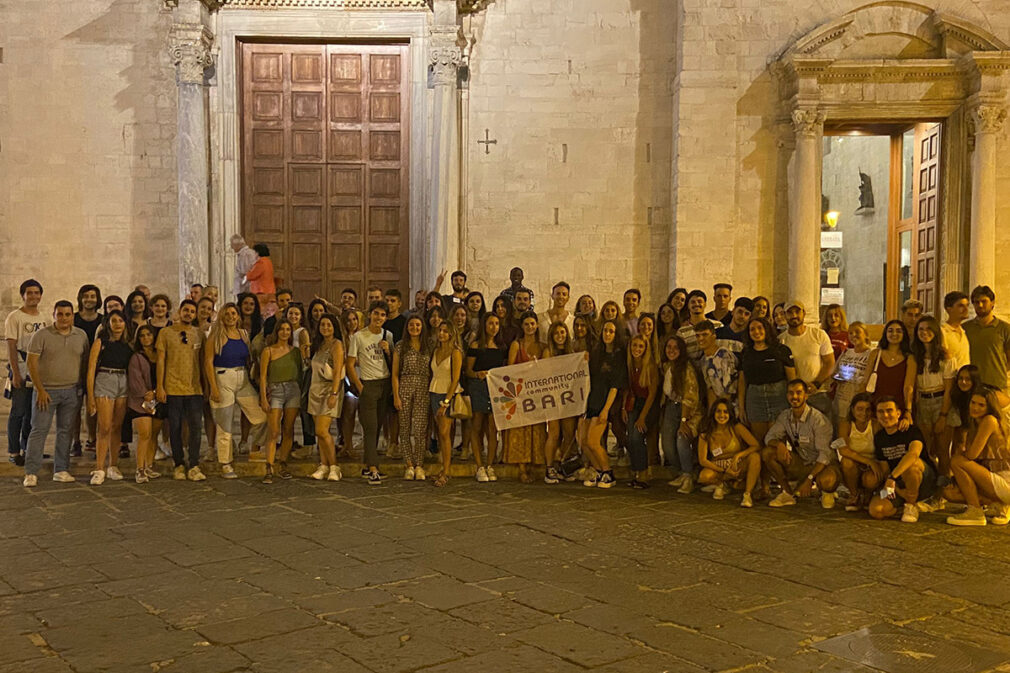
{"x":961,"y":399}
{"x":128,"y":307}
{"x":481,"y":339}
{"x":274,"y":336}
{"x":708,"y":424}
{"x":307,"y":315}
{"x":677,"y":367}
{"x":992,"y":408}
{"x":661,"y":329}
{"x":136,"y":337}
{"x":256,"y":320}
{"x":88,"y":288}
{"x":423,"y":340}
{"x":509,"y":309}
{"x":106,"y":336}
{"x":317,"y":338}
{"x":771,"y":334}
{"x":905,"y":346}
{"x":483,"y":304}
{"x":934,"y":351}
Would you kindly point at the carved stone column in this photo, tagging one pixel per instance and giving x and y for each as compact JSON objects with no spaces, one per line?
{"x":804,"y":210}
{"x":988,"y":120}
{"x":444,"y":57}
{"x":190,"y":51}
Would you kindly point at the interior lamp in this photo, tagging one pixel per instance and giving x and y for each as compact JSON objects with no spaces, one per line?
{"x":831,"y":218}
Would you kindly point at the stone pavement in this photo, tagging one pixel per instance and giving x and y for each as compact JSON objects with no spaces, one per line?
{"x":307,"y":577}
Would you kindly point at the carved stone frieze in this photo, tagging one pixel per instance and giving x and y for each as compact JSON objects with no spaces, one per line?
{"x":988,"y":118}
{"x":444,"y":54}
{"x":336,"y":4}
{"x":808,"y":122}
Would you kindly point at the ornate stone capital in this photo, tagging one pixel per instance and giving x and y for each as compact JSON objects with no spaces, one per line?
{"x":190,"y":51}
{"x":808,"y":122}
{"x":212,"y":5}
{"x":988,"y":118}
{"x":444,"y":54}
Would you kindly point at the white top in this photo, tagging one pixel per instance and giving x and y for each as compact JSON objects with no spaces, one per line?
{"x":21,"y":327}
{"x":544,"y":323}
{"x":955,"y":341}
{"x":244,"y":260}
{"x":807,"y":349}
{"x":861,"y":442}
{"x":930,"y":382}
{"x":368,"y":354}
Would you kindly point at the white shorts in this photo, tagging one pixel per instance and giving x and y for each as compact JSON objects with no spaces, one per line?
{"x":1001,"y":484}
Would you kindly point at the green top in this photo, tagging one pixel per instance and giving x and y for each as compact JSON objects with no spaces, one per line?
{"x":988,"y":345}
{"x":288,"y":367}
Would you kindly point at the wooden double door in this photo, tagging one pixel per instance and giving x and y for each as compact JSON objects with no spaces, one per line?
{"x":325,"y":163}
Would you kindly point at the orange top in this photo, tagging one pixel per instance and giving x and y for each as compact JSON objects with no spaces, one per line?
{"x":261,"y":277}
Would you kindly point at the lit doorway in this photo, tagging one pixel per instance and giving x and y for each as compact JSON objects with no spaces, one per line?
{"x":880,"y":217}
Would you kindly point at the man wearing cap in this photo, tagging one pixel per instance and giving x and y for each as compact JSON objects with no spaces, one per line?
{"x":815,"y":359}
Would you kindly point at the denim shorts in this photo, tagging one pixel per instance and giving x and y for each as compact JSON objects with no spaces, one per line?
{"x":480,"y":398}
{"x":765,"y":402}
{"x":435,"y":400}
{"x":284,"y":395}
{"x":110,"y":384}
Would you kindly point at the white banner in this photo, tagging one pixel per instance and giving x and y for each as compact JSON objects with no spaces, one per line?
{"x":539,"y":391}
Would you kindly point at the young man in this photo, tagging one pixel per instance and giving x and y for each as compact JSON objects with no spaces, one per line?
{"x":632,"y":298}
{"x":560,"y":294}
{"x":56,"y":363}
{"x":20,"y":327}
{"x":419,"y":298}
{"x":722,"y":293}
{"x":179,"y":387}
{"x":911,"y":311}
{"x":909,"y":478}
{"x":87,"y":318}
{"x":245,"y":257}
{"x":954,"y":339}
{"x":988,"y":339}
{"x":283,"y":298}
{"x":718,"y":365}
{"x":732,"y":334}
{"x":523,"y":302}
{"x":459,"y":289}
{"x":398,"y":318}
{"x":798,"y":448}
{"x":196,"y":292}
{"x":371,"y":351}
{"x":373,"y":294}
{"x":813,"y":354}
{"x":696,"y":301}
{"x":516,"y":277}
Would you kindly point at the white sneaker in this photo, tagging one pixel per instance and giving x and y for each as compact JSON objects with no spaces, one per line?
{"x":747,"y":500}
{"x":720,"y":491}
{"x":64,"y":477}
{"x":999,"y":515}
{"x":408,"y":474}
{"x":482,"y":475}
{"x":783,"y":499}
{"x":708,"y":488}
{"x":320,"y":473}
{"x":686,"y":486}
{"x":678,"y":481}
{"x":334,"y":474}
{"x":592,"y":480}
{"x":910,"y":514}
{"x":179,"y":473}
{"x":228,"y":471}
{"x":140,"y":477}
{"x":114,"y":474}
{"x":195,"y":474}
{"x":828,"y":500}
{"x":151,"y":474}
{"x":98,"y":477}
{"x":491,"y":476}
{"x":30,"y":481}
{"x":419,"y":474}
{"x":160,"y":454}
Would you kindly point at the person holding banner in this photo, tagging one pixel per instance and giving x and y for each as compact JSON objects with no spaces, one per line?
{"x":446,"y":365}
{"x":525,"y":445}
{"x":485,"y":352}
{"x":607,"y":377}
{"x":560,"y":434}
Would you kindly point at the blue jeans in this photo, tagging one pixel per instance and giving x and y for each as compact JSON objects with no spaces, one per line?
{"x":186,"y":409}
{"x":19,"y":423}
{"x":677,"y":449}
{"x":64,"y":404}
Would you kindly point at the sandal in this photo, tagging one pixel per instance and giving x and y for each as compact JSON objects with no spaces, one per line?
{"x":441,"y":480}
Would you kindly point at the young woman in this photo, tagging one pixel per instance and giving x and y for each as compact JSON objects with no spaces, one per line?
{"x":678,"y":300}
{"x":837,"y":329}
{"x":612,"y":312}
{"x":142,"y":407}
{"x":728,"y":453}
{"x":561,"y":435}
{"x":485,"y":352}
{"x":326,"y":392}
{"x":582,"y":334}
{"x":433,"y":317}
{"x":349,"y":324}
{"x":137,"y":312}
{"x":851,"y":369}
{"x":779,"y":317}
{"x":981,"y":464}
{"x":640,"y":407}
{"x":249,"y":311}
{"x":933,"y":382}
{"x":765,"y":367}
{"x":460,"y":319}
{"x":446,"y":365}
{"x":762,"y":308}
{"x":608,"y":376}
{"x":525,"y":445}
{"x":860,"y":469}
{"x":161,"y":306}
{"x":896,"y":369}
{"x":647,"y":328}
{"x":475,"y":310}
{"x":204,"y":314}
{"x":669,"y":322}
{"x":411,"y":379}
{"x":107,"y":390}
{"x":317,"y":309}
{"x":586,"y":307}
{"x":295,"y":315}
{"x":681,"y":412}
{"x":507,"y":328}
{"x":280,"y":394}
{"x":226,"y":360}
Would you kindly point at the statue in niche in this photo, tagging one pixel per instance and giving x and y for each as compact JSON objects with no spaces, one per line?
{"x":865,"y":194}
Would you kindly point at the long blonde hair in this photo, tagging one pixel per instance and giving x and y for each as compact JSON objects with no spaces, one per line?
{"x":218,"y":336}
{"x":649,"y":371}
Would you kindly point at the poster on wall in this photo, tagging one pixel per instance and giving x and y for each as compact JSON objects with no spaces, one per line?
{"x":832,"y":295}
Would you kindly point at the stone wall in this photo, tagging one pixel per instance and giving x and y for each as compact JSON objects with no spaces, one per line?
{"x":578,"y":94}
{"x":87,"y":119}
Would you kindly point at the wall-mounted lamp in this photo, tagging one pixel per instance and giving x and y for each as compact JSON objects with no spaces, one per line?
{"x":831,"y":218}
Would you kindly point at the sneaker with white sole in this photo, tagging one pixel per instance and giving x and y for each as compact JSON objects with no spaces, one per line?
{"x":933,"y":504}
{"x":551,"y":476}
{"x":686,"y":486}
{"x":228,"y":472}
{"x":179,"y":473}
{"x":678,"y":480}
{"x":335,"y":474}
{"x":910,"y":513}
{"x":419,"y":474}
{"x":973,"y":516}
{"x":747,"y":500}
{"x":828,"y":500}
{"x":606,"y":479}
{"x":999,"y":515}
{"x":720,"y":492}
{"x":160,"y":454}
{"x":593,"y":479}
{"x":31,"y":481}
{"x":481,"y":475}
{"x":491,"y":476}
{"x":114,"y":474}
{"x":408,"y":474}
{"x":140,"y":477}
{"x":64,"y":477}
{"x":783,"y":499}
{"x":151,"y":474}
{"x":708,"y":488}
{"x":320,"y":473}
{"x":195,"y":474}
{"x":374,"y":479}
{"x":98,"y":477}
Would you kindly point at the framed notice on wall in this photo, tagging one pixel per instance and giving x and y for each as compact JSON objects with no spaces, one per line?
{"x":832,"y":295}
{"x":831,"y":239}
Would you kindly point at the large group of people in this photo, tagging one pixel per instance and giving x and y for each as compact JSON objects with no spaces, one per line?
{"x":747,"y":397}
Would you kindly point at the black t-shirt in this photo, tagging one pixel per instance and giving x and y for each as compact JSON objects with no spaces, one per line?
{"x":767,"y":366}
{"x":606,"y":371}
{"x":726,"y":332}
{"x":395,"y":326}
{"x":487,"y":358}
{"x":89,"y":326}
{"x":893,"y":448}
{"x":115,"y":355}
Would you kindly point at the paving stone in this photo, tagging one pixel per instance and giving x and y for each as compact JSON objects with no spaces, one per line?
{"x":442,"y":593}
{"x":501,"y":615}
{"x":401,"y":618}
{"x":700,"y":649}
{"x":579,"y":644}
{"x":815,"y":618}
{"x":257,"y":626}
{"x":508,"y":660}
{"x":394,"y":653}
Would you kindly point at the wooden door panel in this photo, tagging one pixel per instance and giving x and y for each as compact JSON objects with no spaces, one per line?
{"x":325,"y":181}
{"x":927,"y":219}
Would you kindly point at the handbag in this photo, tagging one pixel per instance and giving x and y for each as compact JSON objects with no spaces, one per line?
{"x":871,"y":382}
{"x":460,"y":408}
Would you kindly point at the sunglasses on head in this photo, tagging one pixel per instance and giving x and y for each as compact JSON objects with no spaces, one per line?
{"x":184,"y":336}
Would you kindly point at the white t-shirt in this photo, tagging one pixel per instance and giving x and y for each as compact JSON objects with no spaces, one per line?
{"x":21,"y":326}
{"x":370,"y":359}
{"x":955,"y":341}
{"x":928,"y":382}
{"x":807,"y":350}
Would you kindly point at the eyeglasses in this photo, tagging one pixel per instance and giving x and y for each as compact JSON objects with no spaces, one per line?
{"x":184,"y":336}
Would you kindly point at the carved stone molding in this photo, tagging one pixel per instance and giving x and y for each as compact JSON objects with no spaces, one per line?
{"x":189,"y":48}
{"x":212,"y":5}
{"x":988,"y":118}
{"x":444,"y":54}
{"x":808,"y":123}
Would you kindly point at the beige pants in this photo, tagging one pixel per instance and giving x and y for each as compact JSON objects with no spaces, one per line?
{"x":236,"y":393}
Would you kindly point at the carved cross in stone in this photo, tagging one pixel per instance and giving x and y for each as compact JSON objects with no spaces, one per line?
{"x":487,"y":142}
